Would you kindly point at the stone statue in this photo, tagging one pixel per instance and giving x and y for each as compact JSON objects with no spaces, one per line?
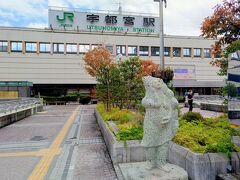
{"x":160,"y":126}
{"x":160,"y":122}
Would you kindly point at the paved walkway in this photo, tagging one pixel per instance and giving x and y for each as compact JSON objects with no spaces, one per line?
{"x":204,"y":113}
{"x":63,"y":142}
{"x":93,"y":161}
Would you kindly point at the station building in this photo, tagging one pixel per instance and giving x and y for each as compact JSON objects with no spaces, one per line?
{"x":52,"y":58}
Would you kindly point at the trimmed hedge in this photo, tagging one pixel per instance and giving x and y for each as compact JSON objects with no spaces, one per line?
{"x":192,"y":116}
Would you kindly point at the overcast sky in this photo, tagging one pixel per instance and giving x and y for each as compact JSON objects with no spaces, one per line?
{"x":181,"y":17}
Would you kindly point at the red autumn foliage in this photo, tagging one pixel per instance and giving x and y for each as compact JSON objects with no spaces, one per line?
{"x":148,"y":67}
{"x":224,"y":24}
{"x":95,"y":58}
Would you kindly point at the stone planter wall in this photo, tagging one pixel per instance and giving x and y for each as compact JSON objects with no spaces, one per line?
{"x":12,"y":117}
{"x":198,"y":166}
{"x":214,"y":107}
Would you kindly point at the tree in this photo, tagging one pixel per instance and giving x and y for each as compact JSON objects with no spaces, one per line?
{"x":224,"y":26}
{"x":149,"y":67}
{"x":131,"y":72}
{"x":165,"y":74}
{"x":96,"y":58}
{"x":103,"y":77}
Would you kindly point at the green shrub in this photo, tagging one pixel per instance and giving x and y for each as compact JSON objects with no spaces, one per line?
{"x":85,"y":99}
{"x":180,"y":99}
{"x":192,"y":116}
{"x":135,"y":133}
{"x":209,"y":135}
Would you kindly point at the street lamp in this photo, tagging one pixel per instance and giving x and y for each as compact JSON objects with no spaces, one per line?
{"x":161,"y":34}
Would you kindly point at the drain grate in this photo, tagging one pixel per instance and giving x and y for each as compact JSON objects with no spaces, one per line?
{"x":38,"y":138}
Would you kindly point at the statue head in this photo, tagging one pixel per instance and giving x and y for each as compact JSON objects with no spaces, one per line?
{"x":150,"y":81}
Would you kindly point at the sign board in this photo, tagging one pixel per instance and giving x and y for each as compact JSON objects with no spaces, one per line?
{"x":84,"y":21}
{"x":184,"y":73}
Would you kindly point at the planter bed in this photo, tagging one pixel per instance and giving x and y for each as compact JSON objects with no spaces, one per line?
{"x":199,"y":166}
{"x":11,"y":117}
{"x":214,"y":107}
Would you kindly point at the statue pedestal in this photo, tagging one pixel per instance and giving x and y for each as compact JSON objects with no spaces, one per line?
{"x":140,"y":171}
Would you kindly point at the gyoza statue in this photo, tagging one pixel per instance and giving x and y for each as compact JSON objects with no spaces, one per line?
{"x":160,"y":122}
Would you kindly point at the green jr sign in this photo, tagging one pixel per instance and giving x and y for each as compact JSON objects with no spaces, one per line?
{"x":66,"y":15}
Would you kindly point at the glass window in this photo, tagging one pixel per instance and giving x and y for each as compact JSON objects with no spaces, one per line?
{"x":31,"y":47}
{"x":166,"y":51}
{"x":72,"y":48}
{"x":58,"y":48}
{"x":16,"y":46}
{"x":197,"y":52}
{"x":218,"y":55}
{"x":143,"y":51}
{"x":132,"y":50}
{"x":95,"y":46}
{"x":83,"y":48}
{"x":176,"y":52}
{"x":121,"y":49}
{"x":110,"y":48}
{"x":3,"y":46}
{"x":207,"y":53}
{"x":187,"y":52}
{"x":155,"y":51}
{"x":44,"y":47}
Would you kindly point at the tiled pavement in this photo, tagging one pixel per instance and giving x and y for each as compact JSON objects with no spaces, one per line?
{"x":24,"y":143}
{"x":93,"y":160}
{"x":39,"y":142}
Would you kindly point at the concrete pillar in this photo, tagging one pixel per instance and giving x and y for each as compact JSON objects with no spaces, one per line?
{"x":171,"y":52}
{"x":9,"y":47}
{"x":126,"y":49}
{"x":51,"y":48}
{"x":77,"y":48}
{"x":23,"y":47}
{"x":38,"y":47}
{"x":202,"y":53}
{"x":192,"y":52}
{"x":181,"y":52}
{"x":65,"y":48}
{"x":114,"y":50}
{"x":212,"y":55}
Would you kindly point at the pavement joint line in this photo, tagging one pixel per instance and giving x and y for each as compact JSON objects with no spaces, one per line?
{"x":44,"y":164}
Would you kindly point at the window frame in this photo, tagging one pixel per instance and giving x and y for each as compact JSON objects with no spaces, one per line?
{"x":110,"y":50}
{"x":133,"y":54}
{"x":179,"y":53}
{"x":58,"y":52}
{"x":18,"y":42}
{"x":71,"y":52}
{"x":45,"y":43}
{"x":164,"y":52}
{"x":190,"y":52}
{"x":30,"y":51}
{"x":83,"y":52}
{"x":121,"y":49}
{"x":143,"y":54}
{"x":155,"y":47}
{"x":194,"y":55}
{"x":1,"y":46}
{"x":210,"y":52}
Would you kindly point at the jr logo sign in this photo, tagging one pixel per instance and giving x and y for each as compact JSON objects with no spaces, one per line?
{"x":66,"y":15}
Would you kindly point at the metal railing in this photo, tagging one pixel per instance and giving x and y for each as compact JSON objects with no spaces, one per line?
{"x":10,"y":106}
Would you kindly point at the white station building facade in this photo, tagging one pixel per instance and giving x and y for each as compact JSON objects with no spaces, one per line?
{"x":52,"y":58}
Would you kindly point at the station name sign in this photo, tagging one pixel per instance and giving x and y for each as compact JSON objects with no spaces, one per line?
{"x":100,"y":22}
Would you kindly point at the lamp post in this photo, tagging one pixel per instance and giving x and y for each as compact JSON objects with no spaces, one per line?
{"x":161,"y":34}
